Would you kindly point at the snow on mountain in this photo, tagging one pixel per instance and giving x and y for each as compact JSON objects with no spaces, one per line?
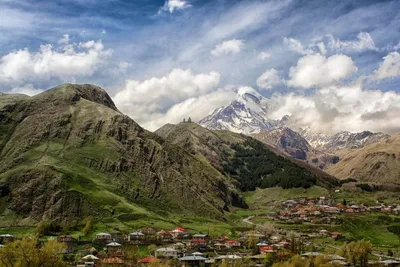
{"x":341,"y":140}
{"x":247,"y":114}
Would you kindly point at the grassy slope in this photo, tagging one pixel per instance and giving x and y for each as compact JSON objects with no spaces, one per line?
{"x":369,"y":226}
{"x":68,"y":162}
{"x":241,"y":157}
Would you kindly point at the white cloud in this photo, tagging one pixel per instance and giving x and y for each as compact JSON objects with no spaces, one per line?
{"x":27,"y":89}
{"x":172,"y":5}
{"x":64,"y":40}
{"x":338,"y":108}
{"x":317,"y":70}
{"x":364,"y":42}
{"x":296,"y":46}
{"x":269,"y":79}
{"x":326,"y":44}
{"x":181,"y":93}
{"x":65,"y":63}
{"x":264,"y":56}
{"x":390,"y":67}
{"x":230,"y":47}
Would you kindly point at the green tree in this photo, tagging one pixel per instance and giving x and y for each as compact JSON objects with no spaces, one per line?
{"x":26,"y":252}
{"x":88,"y":225}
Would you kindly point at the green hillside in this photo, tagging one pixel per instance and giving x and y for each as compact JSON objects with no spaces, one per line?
{"x":248,"y":161}
{"x":68,"y":153}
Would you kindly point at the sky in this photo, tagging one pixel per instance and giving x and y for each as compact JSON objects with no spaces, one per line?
{"x":331,"y":65}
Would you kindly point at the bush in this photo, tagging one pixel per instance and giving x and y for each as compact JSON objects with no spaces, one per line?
{"x":47,"y":228}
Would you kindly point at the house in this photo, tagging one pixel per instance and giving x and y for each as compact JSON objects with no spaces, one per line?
{"x":262,"y":244}
{"x":232,"y":243}
{"x":114,"y":249}
{"x":333,"y":210}
{"x":274,"y":239}
{"x":192,"y":260}
{"x":114,"y":261}
{"x":164,"y":236}
{"x":228,"y":259}
{"x":266,"y":249}
{"x":198,"y":242}
{"x":103,"y":238}
{"x":178,"y":246}
{"x":178,"y":233}
{"x":285,"y":244}
{"x":323,"y":232}
{"x":336,"y":235}
{"x":166,"y":253}
{"x":5,"y":238}
{"x":200,"y":236}
{"x":149,"y":259}
{"x":90,"y":260}
{"x":219,"y":246}
{"x":69,"y":241}
{"x":222,"y":238}
{"x":149,"y":234}
{"x":136,"y":237}
{"x":148,"y":231}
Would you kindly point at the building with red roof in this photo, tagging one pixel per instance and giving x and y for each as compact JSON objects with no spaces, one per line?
{"x":149,"y":259}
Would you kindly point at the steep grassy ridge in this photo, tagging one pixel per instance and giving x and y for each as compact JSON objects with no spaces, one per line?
{"x":68,"y":153}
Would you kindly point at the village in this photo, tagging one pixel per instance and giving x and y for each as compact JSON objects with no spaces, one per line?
{"x":262,"y":245}
{"x":323,"y":210}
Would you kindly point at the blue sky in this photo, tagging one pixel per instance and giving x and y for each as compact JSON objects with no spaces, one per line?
{"x":160,"y":60}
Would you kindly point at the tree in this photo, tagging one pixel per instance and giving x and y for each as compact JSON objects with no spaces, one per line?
{"x":357,"y":253}
{"x":189,"y":120}
{"x":390,"y":253}
{"x":49,"y":254}
{"x":26,"y":252}
{"x":184,"y":120}
{"x":266,"y":229}
{"x":344,"y":202}
{"x":88,"y":225}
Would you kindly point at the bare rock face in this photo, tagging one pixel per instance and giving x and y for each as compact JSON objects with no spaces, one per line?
{"x":68,"y":153}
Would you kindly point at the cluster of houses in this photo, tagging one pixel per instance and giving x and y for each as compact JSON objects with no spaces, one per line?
{"x":189,"y":250}
{"x":323,"y":210}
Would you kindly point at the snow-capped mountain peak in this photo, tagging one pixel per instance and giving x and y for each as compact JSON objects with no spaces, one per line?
{"x":247,"y":114}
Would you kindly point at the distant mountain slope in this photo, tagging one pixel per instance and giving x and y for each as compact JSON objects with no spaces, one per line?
{"x":341,"y":140}
{"x":287,"y":140}
{"x":252,"y":163}
{"x":292,"y":143}
{"x":68,"y":153}
{"x":248,"y":114}
{"x":377,"y":162}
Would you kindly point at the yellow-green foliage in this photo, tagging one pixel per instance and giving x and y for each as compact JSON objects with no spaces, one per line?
{"x":26,"y":252}
{"x":357,"y":253}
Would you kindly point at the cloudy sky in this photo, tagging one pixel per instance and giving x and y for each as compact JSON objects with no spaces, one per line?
{"x":332,"y":66}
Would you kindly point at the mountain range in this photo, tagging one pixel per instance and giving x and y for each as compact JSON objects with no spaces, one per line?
{"x":248,"y":114}
{"x":69,"y":153}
